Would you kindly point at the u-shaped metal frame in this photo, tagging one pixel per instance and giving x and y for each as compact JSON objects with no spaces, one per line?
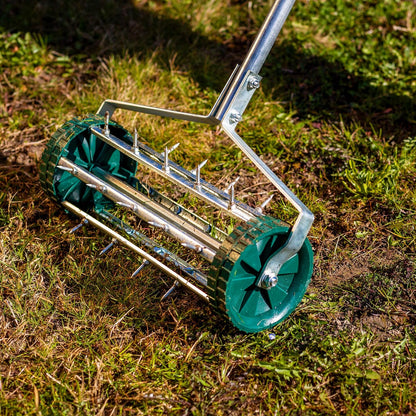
{"x":227,"y":112}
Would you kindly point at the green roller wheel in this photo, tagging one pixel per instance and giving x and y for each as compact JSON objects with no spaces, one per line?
{"x":75,"y":141}
{"x":238,"y":265}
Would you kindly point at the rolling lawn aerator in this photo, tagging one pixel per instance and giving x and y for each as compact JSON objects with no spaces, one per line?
{"x":256,"y":275}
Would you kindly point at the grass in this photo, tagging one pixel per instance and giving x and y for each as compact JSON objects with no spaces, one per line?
{"x":335,"y":119}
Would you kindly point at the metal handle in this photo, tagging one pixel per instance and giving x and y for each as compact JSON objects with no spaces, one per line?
{"x":228,"y":111}
{"x":258,"y":52}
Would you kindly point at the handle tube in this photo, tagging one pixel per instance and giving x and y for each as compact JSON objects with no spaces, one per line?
{"x":267,"y":35}
{"x":257,"y":54}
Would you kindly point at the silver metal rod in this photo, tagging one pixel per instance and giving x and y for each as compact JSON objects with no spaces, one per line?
{"x":208,"y":193}
{"x":167,"y":256}
{"x":143,"y":211}
{"x":267,"y":36}
{"x":111,"y":105}
{"x":256,"y":55}
{"x":136,"y":249}
{"x":167,"y":215}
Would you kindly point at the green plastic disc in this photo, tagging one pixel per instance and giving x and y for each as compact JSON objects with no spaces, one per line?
{"x":75,"y":141}
{"x":238,"y":266}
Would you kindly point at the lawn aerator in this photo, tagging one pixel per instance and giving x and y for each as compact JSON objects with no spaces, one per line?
{"x":257,"y":274}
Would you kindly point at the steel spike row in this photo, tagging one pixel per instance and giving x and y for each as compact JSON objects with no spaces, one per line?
{"x":254,"y":276}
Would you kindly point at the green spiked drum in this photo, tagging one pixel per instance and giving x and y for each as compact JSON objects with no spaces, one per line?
{"x":255,"y":276}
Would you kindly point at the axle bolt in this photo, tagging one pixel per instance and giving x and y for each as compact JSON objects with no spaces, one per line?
{"x":268,"y":281}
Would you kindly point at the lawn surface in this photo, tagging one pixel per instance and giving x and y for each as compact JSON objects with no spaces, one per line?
{"x":335,"y":118}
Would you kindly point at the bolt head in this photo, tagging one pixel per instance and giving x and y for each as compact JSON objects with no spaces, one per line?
{"x":253,"y":83}
{"x":272,"y":281}
{"x":269,"y":281}
{"x":235,"y":117}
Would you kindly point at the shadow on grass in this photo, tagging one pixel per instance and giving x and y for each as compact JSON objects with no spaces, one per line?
{"x":316,"y":88}
{"x":309,"y":85}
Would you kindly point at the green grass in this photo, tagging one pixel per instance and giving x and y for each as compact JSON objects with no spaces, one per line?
{"x":335,"y":118}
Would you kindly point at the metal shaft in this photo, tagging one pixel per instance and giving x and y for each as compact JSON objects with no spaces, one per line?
{"x":138,"y":250}
{"x":258,"y":52}
{"x":147,"y":211}
{"x":178,"y":175}
{"x":266,"y":37}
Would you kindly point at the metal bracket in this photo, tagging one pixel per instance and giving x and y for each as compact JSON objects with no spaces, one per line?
{"x":228,"y":111}
{"x":305,"y":219}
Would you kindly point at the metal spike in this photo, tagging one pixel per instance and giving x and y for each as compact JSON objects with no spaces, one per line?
{"x":66,"y":169}
{"x":174,"y":147}
{"x":231,"y":203}
{"x":166,"y":156}
{"x":74,"y":171}
{"x":140,"y":268}
{"x":198,"y":178}
{"x":165,"y":227}
{"x":264,"y":204}
{"x":197,"y":171}
{"x":231,"y":192}
{"x":166,"y":163}
{"x":77,"y":227}
{"x":135,"y":143}
{"x":126,"y":205}
{"x":232,"y":184}
{"x":201,"y":165}
{"x":170,"y":291}
{"x":198,"y":249}
{"x":100,"y":188}
{"x":106,"y":120}
{"x":111,"y":245}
